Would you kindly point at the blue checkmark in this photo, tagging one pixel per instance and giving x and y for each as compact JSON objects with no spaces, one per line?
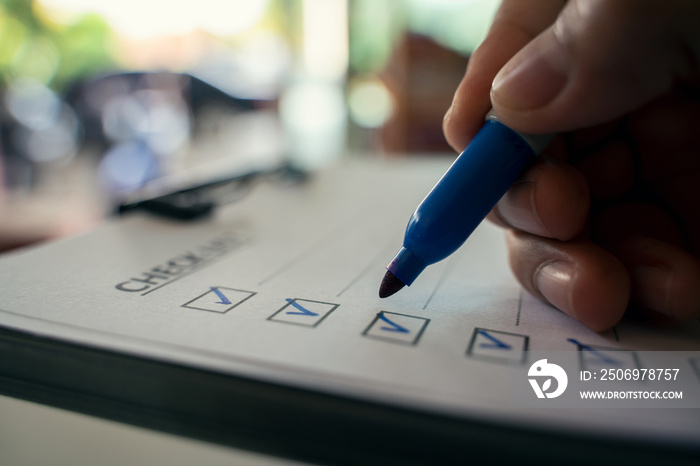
{"x":302,"y":310}
{"x":605,"y":359}
{"x":497,"y":344}
{"x":222,"y":297}
{"x":394,"y":327}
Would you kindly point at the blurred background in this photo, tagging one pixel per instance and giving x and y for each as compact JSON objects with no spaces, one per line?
{"x":99,"y":98}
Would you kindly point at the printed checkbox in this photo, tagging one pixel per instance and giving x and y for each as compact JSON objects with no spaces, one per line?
{"x":305,"y":312}
{"x":497,"y":346}
{"x":219,"y":299}
{"x":396,"y":328}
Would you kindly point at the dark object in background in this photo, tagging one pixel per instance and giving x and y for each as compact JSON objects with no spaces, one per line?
{"x":91,"y":97}
{"x":145,"y":115}
{"x":199,"y":201}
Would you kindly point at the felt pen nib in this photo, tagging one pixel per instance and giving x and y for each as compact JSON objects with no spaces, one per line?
{"x":390,"y":285}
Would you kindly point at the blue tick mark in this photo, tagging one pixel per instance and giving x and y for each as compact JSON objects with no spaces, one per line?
{"x":222,"y":297}
{"x":302,"y":310}
{"x":594,"y":352}
{"x":497,"y":344}
{"x":394,"y":327}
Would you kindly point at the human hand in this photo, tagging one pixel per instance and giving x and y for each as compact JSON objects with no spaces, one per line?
{"x":609,"y":218}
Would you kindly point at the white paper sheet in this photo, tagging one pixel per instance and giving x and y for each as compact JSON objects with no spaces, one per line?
{"x":282,"y":286}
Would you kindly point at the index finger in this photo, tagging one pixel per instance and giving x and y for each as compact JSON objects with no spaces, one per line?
{"x":516,"y":23}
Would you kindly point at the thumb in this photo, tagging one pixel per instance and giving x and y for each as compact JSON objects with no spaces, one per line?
{"x":598,"y":61}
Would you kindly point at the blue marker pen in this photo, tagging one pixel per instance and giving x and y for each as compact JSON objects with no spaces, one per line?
{"x":461,"y":199}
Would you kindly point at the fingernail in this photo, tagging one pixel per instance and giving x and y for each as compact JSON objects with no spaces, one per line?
{"x":554,"y":281}
{"x":518,"y":209}
{"x":448,"y":113}
{"x":532,"y":78}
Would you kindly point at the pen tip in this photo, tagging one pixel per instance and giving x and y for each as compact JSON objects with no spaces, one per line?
{"x":390,"y":285}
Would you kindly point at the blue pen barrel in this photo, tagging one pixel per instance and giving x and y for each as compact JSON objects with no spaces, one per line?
{"x":462,"y":198}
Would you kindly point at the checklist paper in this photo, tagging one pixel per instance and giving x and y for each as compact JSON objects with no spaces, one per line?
{"x":281,"y":288}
